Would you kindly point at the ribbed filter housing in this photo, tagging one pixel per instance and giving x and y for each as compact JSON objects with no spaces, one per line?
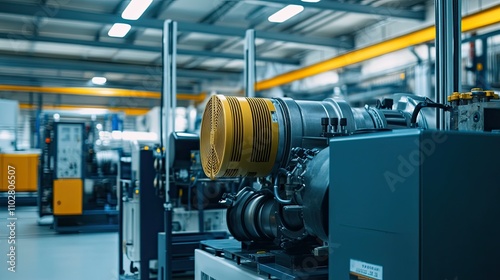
{"x":239,"y":137}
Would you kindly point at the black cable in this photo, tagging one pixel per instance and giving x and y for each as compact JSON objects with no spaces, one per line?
{"x":276,"y":191}
{"x":426,"y":104}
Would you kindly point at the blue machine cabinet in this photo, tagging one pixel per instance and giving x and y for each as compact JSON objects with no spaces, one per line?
{"x":415,"y":205}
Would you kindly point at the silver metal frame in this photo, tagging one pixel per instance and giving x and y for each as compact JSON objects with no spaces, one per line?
{"x":169,"y":89}
{"x":169,"y":96}
{"x":448,"y":53}
{"x":249,"y":78}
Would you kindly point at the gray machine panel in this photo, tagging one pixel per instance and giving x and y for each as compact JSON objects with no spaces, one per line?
{"x":371,"y":223}
{"x":414,"y":204}
{"x":69,"y":150}
{"x":460,"y":193}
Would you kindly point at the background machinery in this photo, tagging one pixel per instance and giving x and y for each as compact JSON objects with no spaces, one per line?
{"x":12,"y":155}
{"x":197,"y":213}
{"x":352,"y":193}
{"x":78,"y":178}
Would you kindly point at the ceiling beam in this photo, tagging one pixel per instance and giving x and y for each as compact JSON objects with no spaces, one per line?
{"x":158,"y":8}
{"x":268,"y":35}
{"x":59,"y":13}
{"x":104,"y":67}
{"x":219,"y":12}
{"x":213,"y":54}
{"x":355,"y":8}
{"x":118,"y":8}
{"x":213,"y":16}
{"x":17,"y":38}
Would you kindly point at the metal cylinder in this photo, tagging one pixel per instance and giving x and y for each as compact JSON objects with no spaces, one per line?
{"x":239,"y":137}
{"x":254,"y":136}
{"x":251,"y":216}
{"x":315,"y":196}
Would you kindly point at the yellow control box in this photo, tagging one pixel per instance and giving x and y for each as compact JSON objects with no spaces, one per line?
{"x":23,"y":168}
{"x":68,"y":197}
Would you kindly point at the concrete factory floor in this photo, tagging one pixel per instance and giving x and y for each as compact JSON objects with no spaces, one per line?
{"x":43,"y":254}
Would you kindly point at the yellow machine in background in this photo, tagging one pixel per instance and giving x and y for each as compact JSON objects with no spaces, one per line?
{"x":77,"y":181}
{"x":26,"y":171}
{"x":68,"y":154}
{"x":68,"y":197}
{"x":19,"y":164}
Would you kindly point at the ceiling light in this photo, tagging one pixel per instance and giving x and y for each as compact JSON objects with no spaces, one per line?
{"x":99,"y":80}
{"x":135,"y":9}
{"x":286,"y":13}
{"x":311,"y":1}
{"x":92,"y":111}
{"x":119,"y":30}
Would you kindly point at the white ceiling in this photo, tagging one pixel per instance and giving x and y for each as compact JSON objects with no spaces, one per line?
{"x":25,"y":35}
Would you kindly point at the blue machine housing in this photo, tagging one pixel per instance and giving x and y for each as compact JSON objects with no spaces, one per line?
{"x":414,"y":204}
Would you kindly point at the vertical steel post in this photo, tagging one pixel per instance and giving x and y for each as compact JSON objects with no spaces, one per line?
{"x":168,"y":122}
{"x":38,"y":122}
{"x":457,"y":45}
{"x":448,"y":53}
{"x":249,"y":79}
{"x":429,"y":72}
{"x":483,"y":74}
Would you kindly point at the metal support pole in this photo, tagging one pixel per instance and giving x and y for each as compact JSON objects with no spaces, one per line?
{"x":250,"y":70}
{"x":429,"y":72}
{"x":448,"y":53}
{"x":43,"y":162}
{"x":457,"y":45}
{"x":483,"y":73}
{"x":168,"y":121}
{"x":32,"y":114}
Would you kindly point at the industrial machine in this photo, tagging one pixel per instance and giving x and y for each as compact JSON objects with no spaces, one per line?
{"x":22,"y":163}
{"x":197,"y":213}
{"x":77,"y":179}
{"x":140,"y":212}
{"x":353,"y":193}
{"x":477,"y":110}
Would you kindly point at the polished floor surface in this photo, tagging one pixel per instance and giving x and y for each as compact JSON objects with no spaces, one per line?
{"x":42,"y":254}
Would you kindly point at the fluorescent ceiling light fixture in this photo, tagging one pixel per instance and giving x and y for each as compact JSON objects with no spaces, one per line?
{"x":311,"y":1}
{"x":286,"y":13}
{"x":135,"y":9}
{"x":134,"y":135}
{"x":7,"y":135}
{"x":99,"y":80}
{"x":119,"y":30}
{"x":92,"y":111}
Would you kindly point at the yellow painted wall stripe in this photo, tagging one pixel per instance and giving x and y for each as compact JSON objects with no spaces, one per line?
{"x":194,"y":97}
{"x":126,"y":111}
{"x":471,"y":22}
{"x":109,"y":92}
{"x":103,"y":92}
